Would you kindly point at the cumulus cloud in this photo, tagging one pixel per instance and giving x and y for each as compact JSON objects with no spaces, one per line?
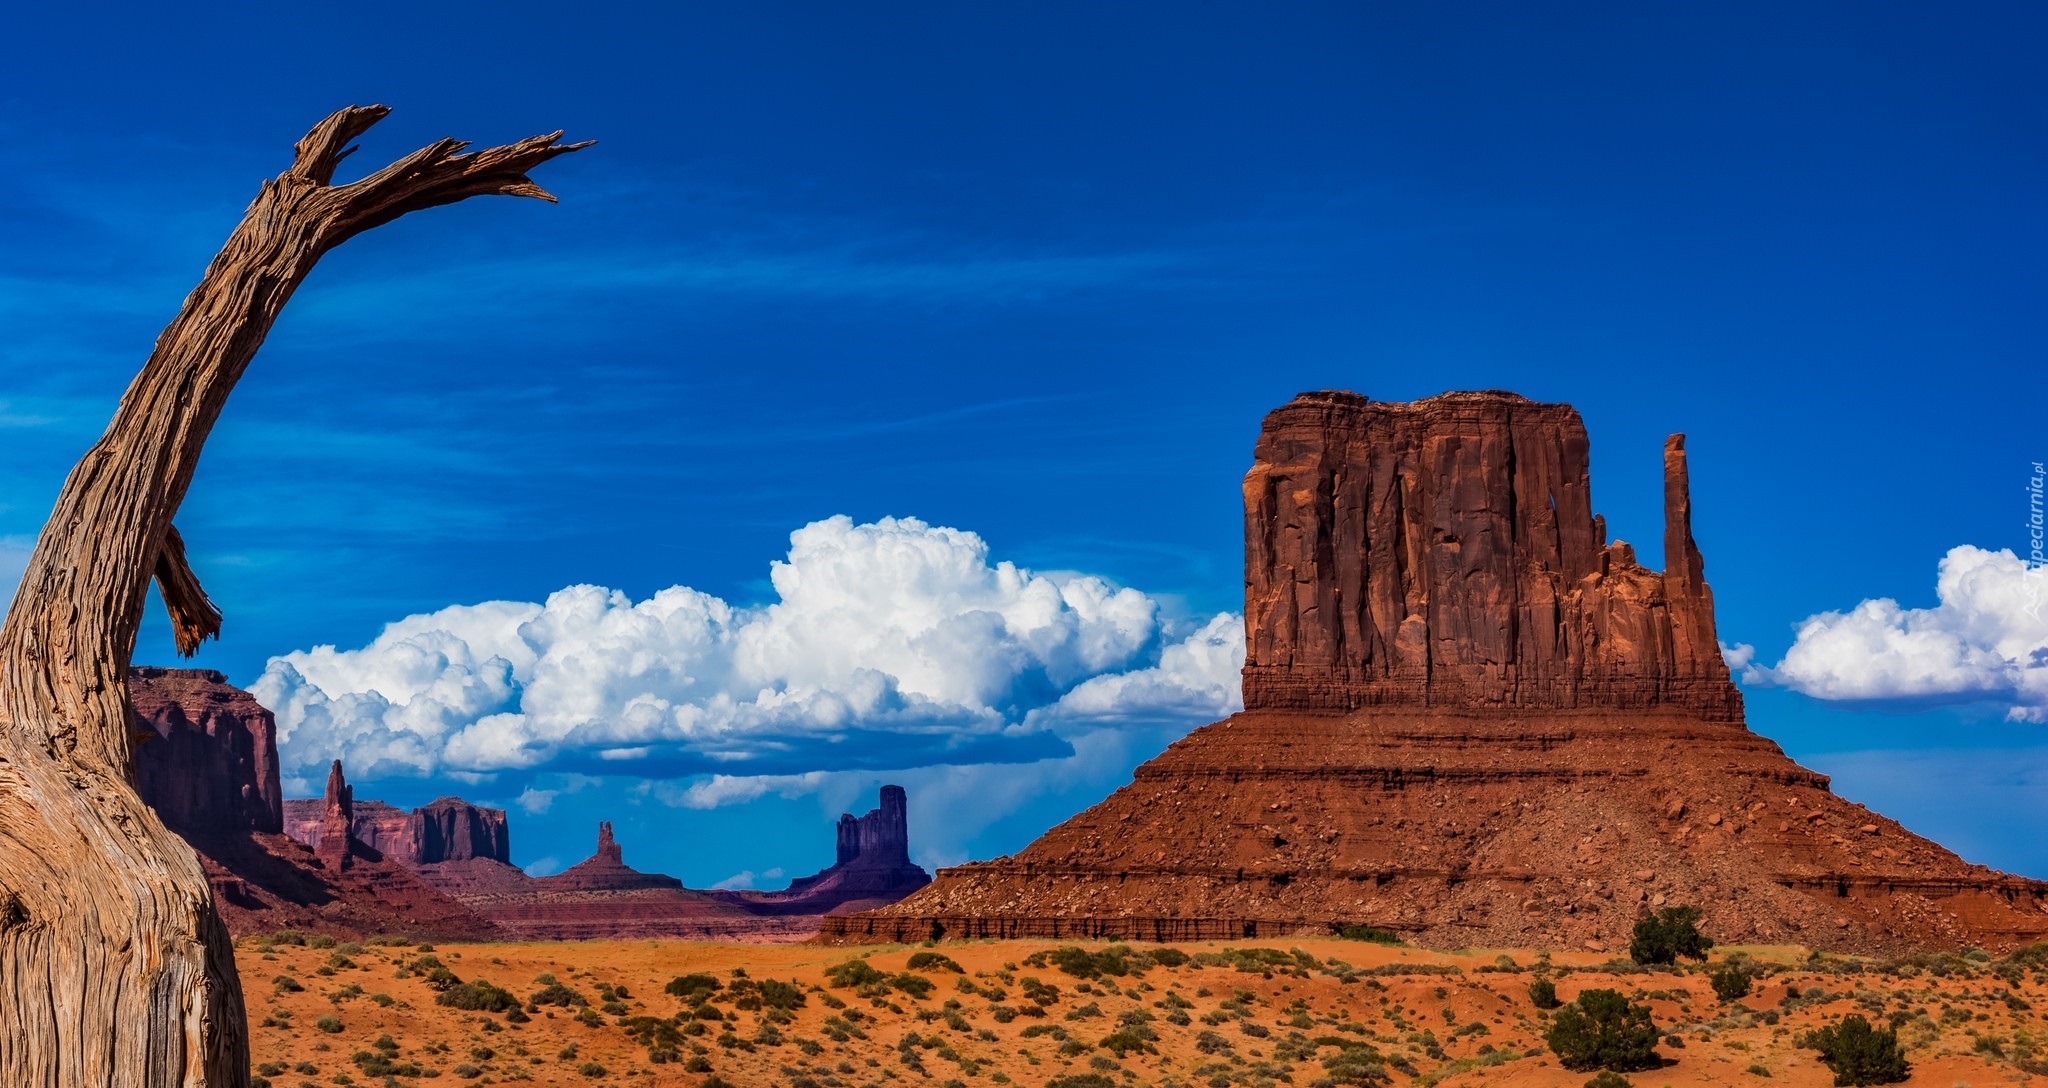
{"x":888,"y":644}
{"x":1985,"y":640}
{"x":745,"y":878}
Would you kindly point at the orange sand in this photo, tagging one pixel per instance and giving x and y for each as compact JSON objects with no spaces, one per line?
{"x":1481,"y":1027}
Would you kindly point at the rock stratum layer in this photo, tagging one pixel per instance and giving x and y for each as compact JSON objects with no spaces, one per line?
{"x":1474,"y":721}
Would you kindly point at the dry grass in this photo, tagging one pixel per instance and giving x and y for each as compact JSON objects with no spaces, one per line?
{"x":1273,"y":1016}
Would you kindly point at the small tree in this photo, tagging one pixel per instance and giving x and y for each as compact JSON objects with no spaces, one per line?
{"x":1858,"y":1053}
{"x":1668,"y":934}
{"x":1601,"y":1030}
{"x":1543,"y":994}
{"x":1730,"y":982}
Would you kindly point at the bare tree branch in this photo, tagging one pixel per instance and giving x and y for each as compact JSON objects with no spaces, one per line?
{"x":115,"y":969}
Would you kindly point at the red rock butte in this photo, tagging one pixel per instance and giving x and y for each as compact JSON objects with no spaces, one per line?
{"x":1471,"y":719}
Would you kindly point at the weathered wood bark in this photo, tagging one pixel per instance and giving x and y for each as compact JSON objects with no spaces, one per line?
{"x":114,"y":967}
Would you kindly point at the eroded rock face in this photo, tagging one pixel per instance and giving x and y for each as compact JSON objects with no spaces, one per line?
{"x":209,"y":765}
{"x":1446,"y":554}
{"x":1471,"y":719}
{"x":448,"y":829}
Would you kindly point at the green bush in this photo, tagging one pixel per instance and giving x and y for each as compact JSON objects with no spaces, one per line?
{"x":1667,"y":935}
{"x":933,"y":961}
{"x":916,"y":986}
{"x":478,"y":995}
{"x":1601,"y":1030}
{"x":854,"y":973}
{"x":1607,"y":1078}
{"x":554,"y":993}
{"x":1543,"y":994}
{"x":328,"y":1024}
{"x":694,"y":988}
{"x":1730,"y":983}
{"x":1369,"y":933}
{"x":780,"y":995}
{"x":1858,"y":1053}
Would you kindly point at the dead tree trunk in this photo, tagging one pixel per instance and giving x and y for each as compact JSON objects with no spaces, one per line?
{"x":115,"y":968}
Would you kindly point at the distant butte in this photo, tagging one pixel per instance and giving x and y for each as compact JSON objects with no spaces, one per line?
{"x":1471,"y":719}
{"x":872,"y":867}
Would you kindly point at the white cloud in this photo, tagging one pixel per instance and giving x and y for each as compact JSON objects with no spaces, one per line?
{"x":745,"y":878}
{"x":536,"y":802}
{"x":1986,"y":640}
{"x":889,"y":644}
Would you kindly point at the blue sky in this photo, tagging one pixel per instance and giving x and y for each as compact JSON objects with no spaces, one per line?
{"x":1035,"y":273}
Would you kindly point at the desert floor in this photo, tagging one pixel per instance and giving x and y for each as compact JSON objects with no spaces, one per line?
{"x":1252,"y":1013}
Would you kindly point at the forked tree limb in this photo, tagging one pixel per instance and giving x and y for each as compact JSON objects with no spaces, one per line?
{"x":194,"y":618}
{"x":115,"y":968}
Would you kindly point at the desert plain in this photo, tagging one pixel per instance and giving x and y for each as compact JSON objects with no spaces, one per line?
{"x":1287,"y":1011}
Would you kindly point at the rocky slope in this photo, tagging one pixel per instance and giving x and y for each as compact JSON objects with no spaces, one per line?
{"x":1472,"y":719}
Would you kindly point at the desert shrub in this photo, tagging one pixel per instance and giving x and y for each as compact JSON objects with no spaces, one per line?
{"x":478,"y":995}
{"x":1373,"y":934}
{"x":854,"y":973}
{"x":1126,"y":1039}
{"x":1116,"y":960}
{"x":933,"y":961}
{"x":554,"y":993}
{"x":1081,"y":1080}
{"x":693,"y":988}
{"x":1857,"y":1053}
{"x":780,"y":995}
{"x":1730,"y":983}
{"x":591,"y":1069}
{"x":1601,"y":1030}
{"x":1670,"y":933}
{"x":286,"y":984}
{"x":916,"y":986}
{"x":328,"y":1024}
{"x":1543,"y":994}
{"x":1356,"y":1063}
{"x":1607,"y":1078}
{"x":467,"y":1071}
